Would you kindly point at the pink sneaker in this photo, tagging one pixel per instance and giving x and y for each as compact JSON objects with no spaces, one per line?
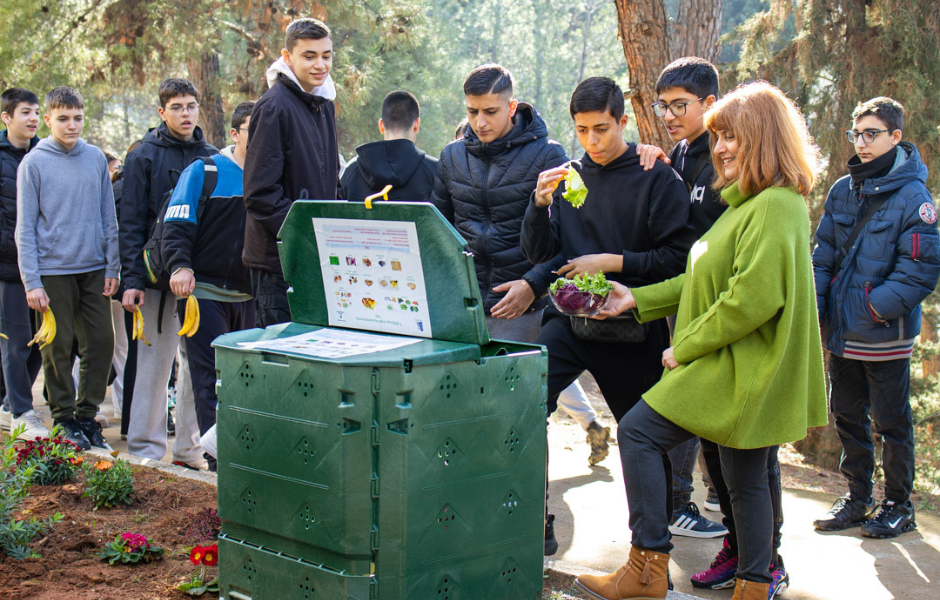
{"x":720,"y":575}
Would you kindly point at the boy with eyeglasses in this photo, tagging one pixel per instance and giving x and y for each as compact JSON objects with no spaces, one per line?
{"x":151,"y":170}
{"x":877,"y":257}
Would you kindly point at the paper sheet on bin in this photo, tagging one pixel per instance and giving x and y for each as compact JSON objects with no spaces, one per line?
{"x":373,"y":278}
{"x":332,"y":343}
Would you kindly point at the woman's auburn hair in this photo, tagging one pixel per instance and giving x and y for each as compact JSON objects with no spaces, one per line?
{"x":775,"y":148}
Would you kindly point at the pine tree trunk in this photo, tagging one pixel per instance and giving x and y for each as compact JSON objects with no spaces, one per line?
{"x":204,"y":73}
{"x":696,"y":30}
{"x":644,"y":33}
{"x":928,"y":333}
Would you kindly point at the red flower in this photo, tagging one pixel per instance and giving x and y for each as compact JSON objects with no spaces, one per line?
{"x":211,"y":557}
{"x":196,"y":554}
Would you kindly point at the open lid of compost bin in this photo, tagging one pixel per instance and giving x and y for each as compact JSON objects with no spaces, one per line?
{"x":396,"y":268}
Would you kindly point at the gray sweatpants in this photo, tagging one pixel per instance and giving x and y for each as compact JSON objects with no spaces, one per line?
{"x":146,"y":431}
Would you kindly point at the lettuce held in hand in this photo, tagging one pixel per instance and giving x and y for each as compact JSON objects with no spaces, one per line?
{"x":575,"y":190}
{"x":581,"y":296}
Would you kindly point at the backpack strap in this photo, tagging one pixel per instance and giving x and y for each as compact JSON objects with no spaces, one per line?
{"x":700,"y":165}
{"x":209,"y":181}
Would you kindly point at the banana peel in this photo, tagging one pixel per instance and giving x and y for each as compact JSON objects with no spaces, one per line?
{"x":137,"y":328}
{"x":191,"y":318}
{"x":47,"y":330}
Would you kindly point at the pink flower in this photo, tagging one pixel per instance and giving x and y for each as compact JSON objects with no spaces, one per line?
{"x":135,"y":541}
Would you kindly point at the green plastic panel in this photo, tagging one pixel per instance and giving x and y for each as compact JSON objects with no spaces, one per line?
{"x":455,"y":307}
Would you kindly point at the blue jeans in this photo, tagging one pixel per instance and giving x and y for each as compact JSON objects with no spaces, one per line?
{"x":21,"y":363}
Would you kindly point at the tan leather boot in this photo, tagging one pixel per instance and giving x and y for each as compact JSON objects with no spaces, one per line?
{"x":750,"y":590}
{"x":642,"y":578}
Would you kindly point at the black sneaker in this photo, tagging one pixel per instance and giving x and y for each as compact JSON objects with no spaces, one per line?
{"x":92,"y":430}
{"x":893,"y":520}
{"x":847,"y":512}
{"x":170,"y":425}
{"x":551,"y":544}
{"x":689,"y":522}
{"x":73,"y":432}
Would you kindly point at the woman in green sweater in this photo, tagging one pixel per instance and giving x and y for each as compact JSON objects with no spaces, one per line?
{"x":745,"y":368}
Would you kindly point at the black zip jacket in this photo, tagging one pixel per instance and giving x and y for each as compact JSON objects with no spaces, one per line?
{"x":705,"y":201}
{"x":483,"y":190}
{"x":642,"y":215}
{"x":10,"y":158}
{"x":150,"y":171}
{"x":292,"y":154}
{"x":398,"y":163}
{"x":208,"y":242}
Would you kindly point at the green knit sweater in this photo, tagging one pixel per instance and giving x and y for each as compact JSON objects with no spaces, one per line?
{"x":750,"y":369}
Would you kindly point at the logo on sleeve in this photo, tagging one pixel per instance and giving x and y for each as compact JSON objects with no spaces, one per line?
{"x":928,"y":214}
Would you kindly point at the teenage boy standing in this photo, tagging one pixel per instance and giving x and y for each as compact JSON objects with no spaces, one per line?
{"x":633,"y":226}
{"x":292,"y":154}
{"x":19,"y":110}
{"x":202,"y":246}
{"x":876,"y":259}
{"x":394,"y":161}
{"x":151,"y":170}
{"x":66,"y":236}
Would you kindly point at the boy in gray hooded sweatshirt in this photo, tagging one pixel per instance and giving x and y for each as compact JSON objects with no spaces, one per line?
{"x":66,"y":237}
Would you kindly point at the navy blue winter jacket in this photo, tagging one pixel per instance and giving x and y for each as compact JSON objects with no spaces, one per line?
{"x":871,"y":300}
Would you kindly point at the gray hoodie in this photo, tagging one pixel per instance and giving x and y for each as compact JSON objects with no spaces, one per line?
{"x":65,"y":213}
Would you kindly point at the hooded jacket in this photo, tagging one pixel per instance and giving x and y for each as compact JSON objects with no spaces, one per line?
{"x":398,"y":163}
{"x":869,"y":304}
{"x":292,"y":154}
{"x":642,"y":215}
{"x":483,"y":190}
{"x":10,"y":158}
{"x":65,"y":213}
{"x":150,"y":171}
{"x":705,"y":205}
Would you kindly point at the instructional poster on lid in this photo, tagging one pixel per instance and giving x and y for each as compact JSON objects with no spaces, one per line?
{"x":372,"y":275}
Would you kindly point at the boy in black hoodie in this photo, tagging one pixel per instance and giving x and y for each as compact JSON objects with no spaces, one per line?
{"x":292,"y":154}
{"x":633,"y":226}
{"x":151,"y":170}
{"x":395,"y":161}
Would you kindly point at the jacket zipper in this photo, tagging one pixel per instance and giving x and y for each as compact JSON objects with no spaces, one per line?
{"x":486,"y":226}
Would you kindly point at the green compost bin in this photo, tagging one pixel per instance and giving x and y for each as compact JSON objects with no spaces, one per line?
{"x":414,"y":469}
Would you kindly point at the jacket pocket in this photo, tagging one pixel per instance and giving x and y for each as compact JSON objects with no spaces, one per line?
{"x":860,"y":321}
{"x":874,"y":240}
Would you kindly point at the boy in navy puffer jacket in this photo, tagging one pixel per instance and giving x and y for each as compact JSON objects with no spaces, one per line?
{"x":868,"y":295}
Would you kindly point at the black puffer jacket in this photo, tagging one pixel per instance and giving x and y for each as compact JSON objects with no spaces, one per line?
{"x":151,"y":170}
{"x":10,"y":157}
{"x":483,"y":189}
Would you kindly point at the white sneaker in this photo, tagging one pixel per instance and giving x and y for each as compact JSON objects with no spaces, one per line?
{"x":6,"y":417}
{"x":209,"y":443}
{"x":34,"y":425}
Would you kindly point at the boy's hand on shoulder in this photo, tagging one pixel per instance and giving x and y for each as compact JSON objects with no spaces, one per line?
{"x":132,"y":299}
{"x":182,"y":283}
{"x":110,"y":286}
{"x":519,"y":297}
{"x":547,"y":184}
{"x":649,"y":154}
{"x":592,"y":264}
{"x":37,"y":299}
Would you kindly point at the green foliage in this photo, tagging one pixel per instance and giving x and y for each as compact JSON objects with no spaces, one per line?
{"x":130,"y":548}
{"x":197,"y":585}
{"x":54,"y":459}
{"x":16,"y":534}
{"x":109,"y":483}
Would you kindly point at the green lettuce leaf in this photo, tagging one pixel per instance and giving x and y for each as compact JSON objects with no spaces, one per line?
{"x":575,"y":190}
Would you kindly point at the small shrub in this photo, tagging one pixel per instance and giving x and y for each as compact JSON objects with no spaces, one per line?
{"x":198,"y":584}
{"x":109,"y":483}
{"x":54,"y":459}
{"x":130,"y":548}
{"x":205,"y":525}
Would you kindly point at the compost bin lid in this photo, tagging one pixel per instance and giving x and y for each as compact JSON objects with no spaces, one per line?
{"x":397,"y":268}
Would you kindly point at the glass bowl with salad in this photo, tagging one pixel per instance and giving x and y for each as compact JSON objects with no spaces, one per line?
{"x":581,"y":296}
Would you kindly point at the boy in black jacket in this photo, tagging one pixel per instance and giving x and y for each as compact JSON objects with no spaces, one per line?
{"x":19,"y":110}
{"x":202,"y":246}
{"x":395,"y":161}
{"x":633,"y":226}
{"x":151,"y":170}
{"x":292,"y":154}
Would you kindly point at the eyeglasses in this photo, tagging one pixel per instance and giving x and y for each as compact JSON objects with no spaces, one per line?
{"x":676,"y":108}
{"x":178,"y":109}
{"x":868,"y":135}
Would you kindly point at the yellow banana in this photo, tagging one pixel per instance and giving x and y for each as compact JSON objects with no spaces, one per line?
{"x":195,"y":327}
{"x":191,"y":317}
{"x":4,"y":336}
{"x":138,"y":327}
{"x":47,"y":330}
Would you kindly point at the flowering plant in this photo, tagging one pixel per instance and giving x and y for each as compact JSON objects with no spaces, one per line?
{"x":109,"y":483}
{"x":207,"y":556}
{"x":54,"y":459}
{"x":130,"y":548}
